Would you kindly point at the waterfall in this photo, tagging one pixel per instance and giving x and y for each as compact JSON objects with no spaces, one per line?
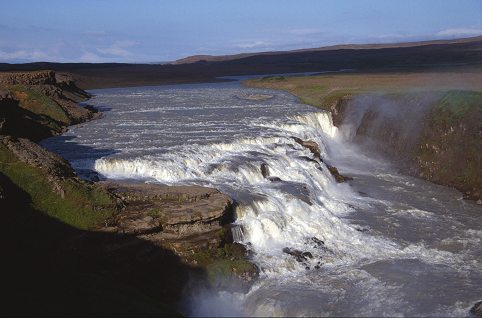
{"x":365,"y":248}
{"x":237,"y":232}
{"x":299,"y":203}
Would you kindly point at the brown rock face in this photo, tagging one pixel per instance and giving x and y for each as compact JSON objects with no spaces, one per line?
{"x":28,"y":78}
{"x":180,"y":215}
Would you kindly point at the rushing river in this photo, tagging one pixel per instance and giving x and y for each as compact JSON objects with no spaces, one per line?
{"x":382,"y":244}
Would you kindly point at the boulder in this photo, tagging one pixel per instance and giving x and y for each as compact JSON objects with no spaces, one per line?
{"x":338,"y":177}
{"x":300,"y":256}
{"x":317,"y":241}
{"x":265,"y":170}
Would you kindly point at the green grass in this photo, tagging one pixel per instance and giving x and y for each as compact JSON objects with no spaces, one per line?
{"x":223,"y":262}
{"x":460,"y":103}
{"x":227,"y":267}
{"x":84,"y":206}
{"x":39,"y":103}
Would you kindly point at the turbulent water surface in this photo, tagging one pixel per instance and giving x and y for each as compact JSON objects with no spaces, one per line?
{"x":382,"y":244}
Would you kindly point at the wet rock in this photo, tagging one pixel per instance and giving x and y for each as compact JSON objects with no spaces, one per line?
{"x":318,"y":242}
{"x":300,"y":256}
{"x":265,"y":170}
{"x":306,"y":158}
{"x":307,"y":255}
{"x":338,"y":176}
{"x":274,"y":179}
{"x":311,"y":145}
{"x":476,"y":310}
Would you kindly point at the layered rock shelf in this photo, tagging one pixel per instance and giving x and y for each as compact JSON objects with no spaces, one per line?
{"x":165,"y":214}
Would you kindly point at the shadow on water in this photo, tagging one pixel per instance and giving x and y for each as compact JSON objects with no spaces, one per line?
{"x":96,"y":108}
{"x":50,"y":268}
{"x":81,"y":157}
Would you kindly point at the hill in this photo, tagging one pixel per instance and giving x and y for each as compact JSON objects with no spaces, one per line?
{"x":360,"y":58}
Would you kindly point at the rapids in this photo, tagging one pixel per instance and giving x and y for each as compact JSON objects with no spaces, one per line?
{"x":382,"y":244}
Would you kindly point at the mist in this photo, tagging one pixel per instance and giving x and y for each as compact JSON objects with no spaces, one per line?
{"x":390,"y":125}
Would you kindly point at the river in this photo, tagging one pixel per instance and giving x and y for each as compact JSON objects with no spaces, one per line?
{"x":382,"y":244}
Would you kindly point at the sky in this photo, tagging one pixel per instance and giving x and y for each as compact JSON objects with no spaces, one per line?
{"x":139,"y":31}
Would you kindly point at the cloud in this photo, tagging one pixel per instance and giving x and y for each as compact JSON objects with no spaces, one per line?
{"x":89,"y":57}
{"x":460,"y":32}
{"x":305,"y":31}
{"x":24,"y":55}
{"x":252,"y":44}
{"x":118,"y":48}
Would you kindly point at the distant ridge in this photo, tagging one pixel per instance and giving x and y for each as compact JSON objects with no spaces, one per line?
{"x":394,"y":57}
{"x":230,"y":57}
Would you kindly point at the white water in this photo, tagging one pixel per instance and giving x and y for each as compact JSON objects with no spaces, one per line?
{"x":401,"y":237}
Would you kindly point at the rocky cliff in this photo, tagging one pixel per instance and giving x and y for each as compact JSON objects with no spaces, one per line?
{"x":36,"y":105}
{"x":433,"y":135}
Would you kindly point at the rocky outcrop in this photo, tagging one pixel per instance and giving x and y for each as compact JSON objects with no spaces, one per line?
{"x":171,"y":212}
{"x":55,"y":167}
{"x":315,"y":150}
{"x":36,"y":105}
{"x":28,"y":78}
{"x":37,"y":156}
{"x":192,"y":221}
{"x":337,"y":175}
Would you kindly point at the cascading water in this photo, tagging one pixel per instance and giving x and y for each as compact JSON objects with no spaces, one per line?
{"x":362,"y":242}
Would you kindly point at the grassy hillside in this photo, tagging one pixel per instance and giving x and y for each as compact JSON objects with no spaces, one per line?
{"x":323,"y":90}
{"x":82,"y":205}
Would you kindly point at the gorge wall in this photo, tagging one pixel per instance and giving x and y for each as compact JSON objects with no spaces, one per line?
{"x":433,"y":135}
